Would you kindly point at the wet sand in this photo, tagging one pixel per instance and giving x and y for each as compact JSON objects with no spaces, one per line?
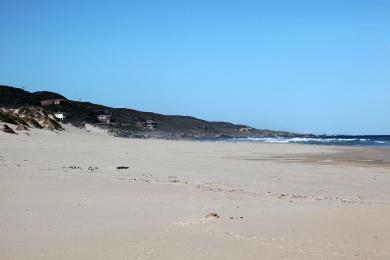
{"x":63,"y":197}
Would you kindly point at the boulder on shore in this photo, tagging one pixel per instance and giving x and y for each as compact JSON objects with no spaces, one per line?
{"x":21,"y":128}
{"x":6,"y":129}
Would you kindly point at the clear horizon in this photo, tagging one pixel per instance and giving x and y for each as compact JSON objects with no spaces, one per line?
{"x":307,"y":67}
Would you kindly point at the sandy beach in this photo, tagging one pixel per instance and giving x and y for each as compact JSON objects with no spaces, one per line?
{"x":70,"y":195}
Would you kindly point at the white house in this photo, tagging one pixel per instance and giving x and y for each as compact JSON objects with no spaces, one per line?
{"x":61,"y":115}
{"x":246,"y":129}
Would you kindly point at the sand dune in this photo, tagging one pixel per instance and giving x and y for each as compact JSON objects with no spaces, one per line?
{"x":62,"y":196}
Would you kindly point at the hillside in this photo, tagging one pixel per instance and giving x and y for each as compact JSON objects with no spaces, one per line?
{"x":128,"y":122}
{"x":30,"y":116}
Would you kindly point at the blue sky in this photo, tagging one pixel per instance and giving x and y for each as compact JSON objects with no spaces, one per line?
{"x":307,"y":66}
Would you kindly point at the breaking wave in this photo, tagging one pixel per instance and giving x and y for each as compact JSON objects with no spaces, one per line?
{"x":325,"y":140}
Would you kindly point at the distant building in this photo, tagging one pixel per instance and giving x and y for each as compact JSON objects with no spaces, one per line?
{"x":56,"y":102}
{"x":61,"y":115}
{"x":103,"y":116}
{"x":104,"y":119}
{"x":150,"y":124}
{"x":246,"y":129}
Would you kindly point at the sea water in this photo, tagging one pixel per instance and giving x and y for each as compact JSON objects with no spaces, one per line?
{"x":346,"y":140}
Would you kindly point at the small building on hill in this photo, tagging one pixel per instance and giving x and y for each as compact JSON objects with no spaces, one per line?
{"x":61,"y":115}
{"x":104,"y":119}
{"x":103,"y":116}
{"x":150,"y":124}
{"x":56,"y":102}
{"x":246,"y":129}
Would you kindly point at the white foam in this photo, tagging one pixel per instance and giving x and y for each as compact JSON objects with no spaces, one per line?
{"x":314,"y":140}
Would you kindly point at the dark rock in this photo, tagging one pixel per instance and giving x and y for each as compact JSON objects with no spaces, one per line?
{"x":122,"y":167}
{"x":22,"y":128}
{"x":6,"y":129}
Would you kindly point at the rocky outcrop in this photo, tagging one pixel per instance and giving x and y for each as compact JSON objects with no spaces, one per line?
{"x":21,"y":128}
{"x":6,"y":129}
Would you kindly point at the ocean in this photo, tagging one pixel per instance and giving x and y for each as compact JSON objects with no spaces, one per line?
{"x":343,"y":140}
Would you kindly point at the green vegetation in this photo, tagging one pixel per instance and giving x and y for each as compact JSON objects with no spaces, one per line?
{"x":124,"y":122}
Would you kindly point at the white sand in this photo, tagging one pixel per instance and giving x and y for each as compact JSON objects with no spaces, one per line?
{"x":275,"y":201}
